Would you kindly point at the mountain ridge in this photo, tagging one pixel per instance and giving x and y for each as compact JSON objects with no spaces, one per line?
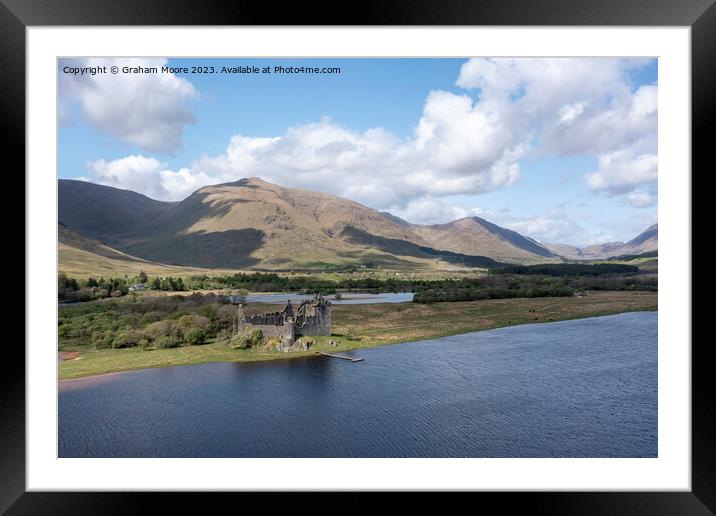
{"x":250,"y":223}
{"x":646,"y":241}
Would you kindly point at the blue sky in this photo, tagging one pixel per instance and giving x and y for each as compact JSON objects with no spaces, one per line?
{"x":560,"y":151}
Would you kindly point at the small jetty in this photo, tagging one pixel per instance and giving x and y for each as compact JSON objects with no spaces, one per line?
{"x":343,"y":357}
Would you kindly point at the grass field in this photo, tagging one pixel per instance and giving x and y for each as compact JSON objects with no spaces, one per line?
{"x":363,"y":326}
{"x":81,"y":264}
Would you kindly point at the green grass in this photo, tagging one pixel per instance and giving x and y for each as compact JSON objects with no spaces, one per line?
{"x":373,"y":325}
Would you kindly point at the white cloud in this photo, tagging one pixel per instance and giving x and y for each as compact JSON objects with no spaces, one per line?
{"x":556,"y":225}
{"x":432,"y":210}
{"x":641,"y":199}
{"x":578,"y":107}
{"x":455,"y":149}
{"x":602,"y":126}
{"x":626,"y":169}
{"x":147,"y":176}
{"x":148,"y":110}
{"x":467,"y":143}
{"x":568,"y":113}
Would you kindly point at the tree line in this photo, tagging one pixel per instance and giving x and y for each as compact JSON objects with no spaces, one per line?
{"x":505,"y":285}
{"x":512,"y":281}
{"x":71,"y":290}
{"x":568,"y":269}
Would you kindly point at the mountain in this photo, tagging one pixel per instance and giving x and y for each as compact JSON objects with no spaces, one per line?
{"x":254,"y":224}
{"x":473,"y":235}
{"x":103,"y":212}
{"x":646,"y":241}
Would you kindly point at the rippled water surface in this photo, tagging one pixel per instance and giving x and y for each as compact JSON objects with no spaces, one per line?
{"x":584,"y":388}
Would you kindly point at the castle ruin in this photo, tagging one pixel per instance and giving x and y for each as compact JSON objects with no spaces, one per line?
{"x":311,"y":317}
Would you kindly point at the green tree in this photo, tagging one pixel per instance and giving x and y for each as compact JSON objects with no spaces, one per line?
{"x":195,"y":336}
{"x":127,"y":339}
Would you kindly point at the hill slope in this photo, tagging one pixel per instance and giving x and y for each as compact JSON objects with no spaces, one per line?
{"x":105,"y":213}
{"x":81,"y":257}
{"x":253,"y":224}
{"x":473,"y":235}
{"x":646,"y":241}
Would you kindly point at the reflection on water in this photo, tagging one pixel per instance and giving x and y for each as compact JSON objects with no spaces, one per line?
{"x":585,"y":388}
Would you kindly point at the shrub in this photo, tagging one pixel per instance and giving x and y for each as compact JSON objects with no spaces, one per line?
{"x":195,"y":336}
{"x":225,"y":316}
{"x":127,"y":339}
{"x":224,"y":337}
{"x":151,"y":317}
{"x":209,"y":311}
{"x":166,"y":328}
{"x":193,"y":321}
{"x":247,"y":339}
{"x":168,"y":341}
{"x":179,"y":314}
{"x":129,"y":320}
{"x":64,"y":331}
{"x":272,"y":343}
{"x":102,"y":339}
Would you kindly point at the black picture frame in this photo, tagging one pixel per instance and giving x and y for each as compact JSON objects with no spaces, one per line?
{"x":700,"y":15}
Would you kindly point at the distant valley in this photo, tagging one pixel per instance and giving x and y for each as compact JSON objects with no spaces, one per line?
{"x":645,"y":242}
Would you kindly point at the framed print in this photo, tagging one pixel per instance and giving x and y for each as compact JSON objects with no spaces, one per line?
{"x":419,"y":252}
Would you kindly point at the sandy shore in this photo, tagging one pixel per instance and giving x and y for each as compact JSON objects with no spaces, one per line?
{"x":62,"y":356}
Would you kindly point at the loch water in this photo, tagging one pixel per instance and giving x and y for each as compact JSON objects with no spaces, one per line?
{"x":581,"y":388}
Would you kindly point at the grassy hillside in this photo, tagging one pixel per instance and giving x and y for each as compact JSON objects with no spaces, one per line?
{"x":253,"y":224}
{"x":81,"y":257}
{"x":250,"y":224}
{"x":476,"y":236}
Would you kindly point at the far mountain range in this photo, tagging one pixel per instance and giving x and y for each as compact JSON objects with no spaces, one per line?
{"x":252,"y":224}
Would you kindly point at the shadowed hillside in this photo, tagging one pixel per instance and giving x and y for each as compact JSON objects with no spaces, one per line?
{"x":404,"y":248}
{"x":473,"y":235}
{"x":103,"y":212}
{"x":254,"y":224}
{"x":81,"y":257}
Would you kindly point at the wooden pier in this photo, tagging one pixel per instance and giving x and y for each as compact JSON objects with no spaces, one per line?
{"x":343,"y":357}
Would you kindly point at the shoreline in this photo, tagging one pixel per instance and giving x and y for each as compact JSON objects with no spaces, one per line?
{"x":343,"y":347}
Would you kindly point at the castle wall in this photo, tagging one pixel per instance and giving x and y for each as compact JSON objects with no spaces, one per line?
{"x":284,"y":331}
{"x":317,"y":321}
{"x":311,"y":320}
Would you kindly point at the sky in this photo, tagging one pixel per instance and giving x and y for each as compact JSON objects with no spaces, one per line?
{"x":560,"y":150}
